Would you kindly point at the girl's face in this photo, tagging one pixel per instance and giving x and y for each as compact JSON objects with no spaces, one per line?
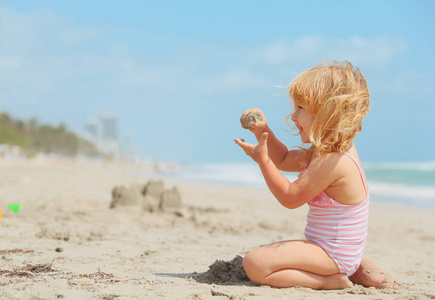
{"x":303,"y":121}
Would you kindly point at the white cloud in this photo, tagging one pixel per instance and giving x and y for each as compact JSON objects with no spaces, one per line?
{"x":256,"y":68}
{"x":11,"y":62}
{"x":359,"y":50}
{"x":78,"y":36}
{"x":231,"y":81}
{"x":407,"y":85}
{"x":48,"y":54}
{"x":25,"y":33}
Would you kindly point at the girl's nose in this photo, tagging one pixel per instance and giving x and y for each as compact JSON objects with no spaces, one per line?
{"x":293,"y":118}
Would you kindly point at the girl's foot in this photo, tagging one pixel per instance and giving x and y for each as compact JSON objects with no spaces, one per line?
{"x":339,"y":281}
{"x":369,"y":274}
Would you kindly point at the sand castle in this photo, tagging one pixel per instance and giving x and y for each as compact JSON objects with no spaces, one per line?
{"x":150,"y":197}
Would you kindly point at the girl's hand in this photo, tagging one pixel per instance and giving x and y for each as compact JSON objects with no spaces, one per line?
{"x":259,"y":153}
{"x":254,"y":120}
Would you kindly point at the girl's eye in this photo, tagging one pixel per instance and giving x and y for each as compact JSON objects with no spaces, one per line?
{"x":300,"y":107}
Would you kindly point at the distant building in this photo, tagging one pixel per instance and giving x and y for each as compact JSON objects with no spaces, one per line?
{"x":103,"y":132}
{"x":109,"y":127}
{"x":92,"y":130}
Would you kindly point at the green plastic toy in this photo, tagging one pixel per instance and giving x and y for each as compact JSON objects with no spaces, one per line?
{"x":15,"y":207}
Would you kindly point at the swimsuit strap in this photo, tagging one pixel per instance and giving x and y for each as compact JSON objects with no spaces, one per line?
{"x":360,"y":171}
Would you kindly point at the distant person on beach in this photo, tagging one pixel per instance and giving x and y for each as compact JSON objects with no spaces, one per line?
{"x":330,"y":102}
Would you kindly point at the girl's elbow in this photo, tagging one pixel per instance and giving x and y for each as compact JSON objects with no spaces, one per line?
{"x":292,"y":202}
{"x":291,"y":205}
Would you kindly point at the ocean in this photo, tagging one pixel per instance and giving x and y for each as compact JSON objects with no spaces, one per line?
{"x":408,"y":183}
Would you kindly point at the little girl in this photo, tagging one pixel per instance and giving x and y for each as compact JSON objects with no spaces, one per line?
{"x":330,"y":103}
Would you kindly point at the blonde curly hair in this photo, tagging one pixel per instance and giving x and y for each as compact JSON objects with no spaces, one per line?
{"x":337,"y":95}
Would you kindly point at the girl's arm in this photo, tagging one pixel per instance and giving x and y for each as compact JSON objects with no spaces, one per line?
{"x":291,"y":195}
{"x":283,"y":158}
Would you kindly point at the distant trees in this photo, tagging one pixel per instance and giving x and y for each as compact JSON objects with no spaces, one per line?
{"x":34,"y":137}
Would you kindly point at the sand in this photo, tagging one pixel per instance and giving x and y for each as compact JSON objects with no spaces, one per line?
{"x":67,"y":243}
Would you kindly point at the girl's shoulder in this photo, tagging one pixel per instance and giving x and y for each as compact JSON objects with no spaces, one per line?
{"x":340,"y":158}
{"x":329,"y":159}
{"x":337,"y":164}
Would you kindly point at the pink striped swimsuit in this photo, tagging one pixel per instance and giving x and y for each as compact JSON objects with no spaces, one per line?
{"x":340,"y":229}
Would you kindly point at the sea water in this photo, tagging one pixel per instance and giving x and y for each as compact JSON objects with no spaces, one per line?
{"x":409,"y":183}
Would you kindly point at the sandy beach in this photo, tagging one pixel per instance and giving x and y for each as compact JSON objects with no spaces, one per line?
{"x":66,"y":243}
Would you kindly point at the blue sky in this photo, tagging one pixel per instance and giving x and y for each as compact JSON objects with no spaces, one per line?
{"x":178,"y":74}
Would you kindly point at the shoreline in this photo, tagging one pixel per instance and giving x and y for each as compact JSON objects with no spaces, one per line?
{"x":128,"y":253}
{"x":376,"y":198}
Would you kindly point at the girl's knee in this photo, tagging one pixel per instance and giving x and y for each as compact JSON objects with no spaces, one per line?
{"x":247,"y":263}
{"x":253,"y":268}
